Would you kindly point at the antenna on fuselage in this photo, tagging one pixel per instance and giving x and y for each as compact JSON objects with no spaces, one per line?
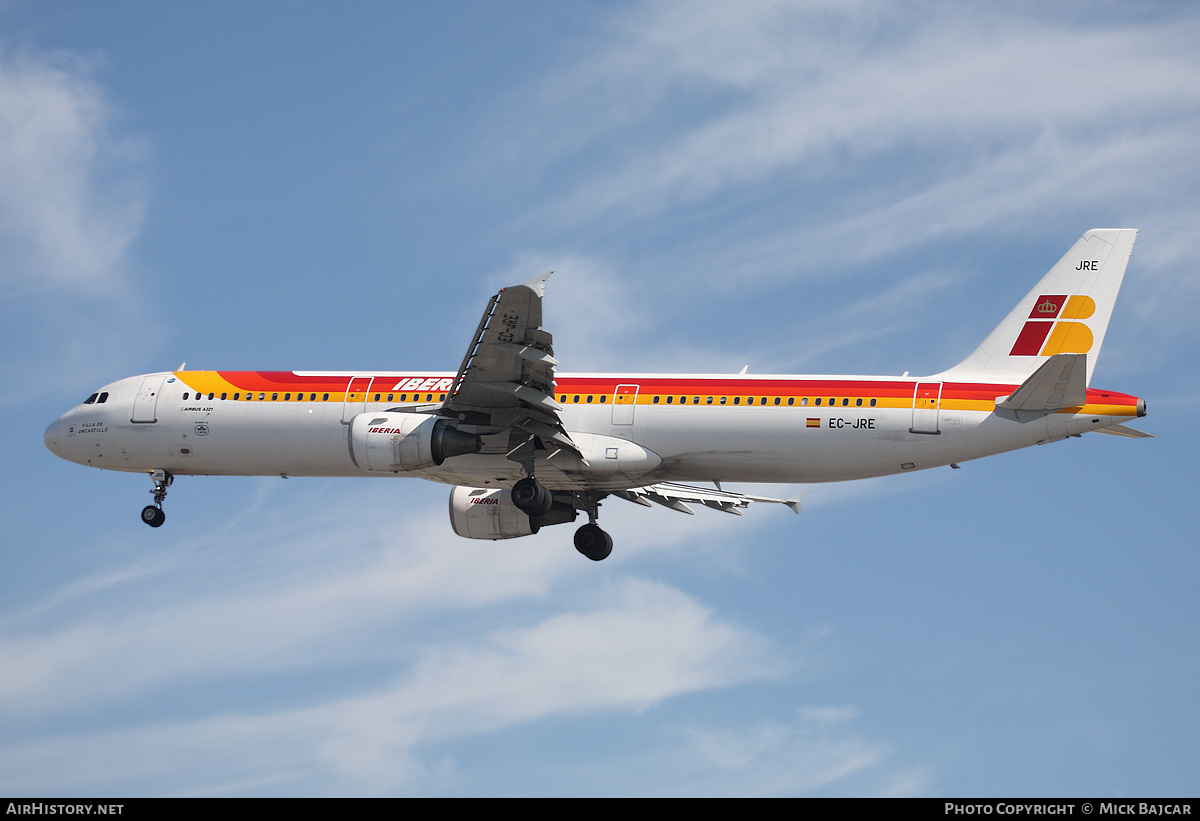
{"x":742,"y":372}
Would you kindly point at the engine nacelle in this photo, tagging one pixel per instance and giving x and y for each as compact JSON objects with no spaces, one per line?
{"x":480,"y":513}
{"x":395,"y":442}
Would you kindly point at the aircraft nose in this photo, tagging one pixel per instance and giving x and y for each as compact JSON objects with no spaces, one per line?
{"x":50,"y":437}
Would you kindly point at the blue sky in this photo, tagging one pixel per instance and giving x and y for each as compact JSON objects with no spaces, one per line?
{"x":803,"y":188}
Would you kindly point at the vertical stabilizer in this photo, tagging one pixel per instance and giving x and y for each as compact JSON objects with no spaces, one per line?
{"x":1067,"y":312}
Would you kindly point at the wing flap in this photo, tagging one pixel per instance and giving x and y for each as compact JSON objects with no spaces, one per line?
{"x":675,"y":496}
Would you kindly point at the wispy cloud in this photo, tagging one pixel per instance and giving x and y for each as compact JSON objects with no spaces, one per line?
{"x":288,"y":597}
{"x":72,"y":200}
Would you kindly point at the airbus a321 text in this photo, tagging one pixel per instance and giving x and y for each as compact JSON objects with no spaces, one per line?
{"x":525,"y":446}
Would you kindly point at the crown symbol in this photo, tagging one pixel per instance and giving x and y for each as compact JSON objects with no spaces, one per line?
{"x":1047,"y":307}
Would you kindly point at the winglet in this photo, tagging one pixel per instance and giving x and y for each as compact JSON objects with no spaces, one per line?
{"x":538,"y":284}
{"x":794,"y":502}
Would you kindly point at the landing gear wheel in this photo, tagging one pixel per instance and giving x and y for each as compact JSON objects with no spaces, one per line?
{"x":153,"y":516}
{"x":531,"y":498}
{"x":593,"y":542}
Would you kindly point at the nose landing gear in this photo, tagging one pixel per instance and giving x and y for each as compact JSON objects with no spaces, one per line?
{"x":153,"y":514}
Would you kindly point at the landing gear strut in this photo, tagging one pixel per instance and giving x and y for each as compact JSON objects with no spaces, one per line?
{"x":153,"y":514}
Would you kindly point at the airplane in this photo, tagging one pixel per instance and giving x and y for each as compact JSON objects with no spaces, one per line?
{"x":526,"y":447}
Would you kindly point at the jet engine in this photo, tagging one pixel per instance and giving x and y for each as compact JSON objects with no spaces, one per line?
{"x":481,"y":513}
{"x":406,"y":441}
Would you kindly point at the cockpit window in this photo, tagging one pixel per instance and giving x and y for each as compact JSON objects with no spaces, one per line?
{"x":103,"y":398}
{"x":91,"y":400}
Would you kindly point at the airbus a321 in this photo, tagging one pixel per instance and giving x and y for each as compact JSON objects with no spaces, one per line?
{"x":525,"y":447}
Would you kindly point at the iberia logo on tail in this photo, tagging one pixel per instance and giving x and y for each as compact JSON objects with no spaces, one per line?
{"x":1052,"y":326}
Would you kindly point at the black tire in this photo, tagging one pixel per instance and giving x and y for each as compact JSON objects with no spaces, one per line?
{"x":531,"y":498}
{"x":593,"y":542}
{"x":153,"y":516}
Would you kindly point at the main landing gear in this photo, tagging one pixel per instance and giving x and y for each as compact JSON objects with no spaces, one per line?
{"x":593,"y":542}
{"x":153,"y":514}
{"x":532,"y":499}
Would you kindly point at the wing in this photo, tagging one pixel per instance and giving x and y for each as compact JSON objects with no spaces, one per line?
{"x":674,"y":496}
{"x":506,"y":380}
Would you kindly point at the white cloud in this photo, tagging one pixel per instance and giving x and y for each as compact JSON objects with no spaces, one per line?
{"x":637,"y":644}
{"x":908,"y":125}
{"x":71,"y":197}
{"x":72,"y":201}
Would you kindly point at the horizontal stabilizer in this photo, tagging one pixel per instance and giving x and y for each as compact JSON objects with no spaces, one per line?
{"x":1059,"y":383}
{"x":1124,"y":430}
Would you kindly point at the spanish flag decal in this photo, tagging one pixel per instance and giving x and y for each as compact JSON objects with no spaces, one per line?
{"x":812,"y":423}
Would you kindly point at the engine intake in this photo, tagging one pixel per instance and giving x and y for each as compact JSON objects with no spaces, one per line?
{"x":395,"y":442}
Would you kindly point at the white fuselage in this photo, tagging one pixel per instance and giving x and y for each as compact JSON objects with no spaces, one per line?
{"x":632,"y":430}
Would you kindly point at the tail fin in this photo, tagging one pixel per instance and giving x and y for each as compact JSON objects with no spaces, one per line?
{"x":1067,"y":312}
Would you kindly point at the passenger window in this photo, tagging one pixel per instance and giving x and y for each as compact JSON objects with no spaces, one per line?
{"x":286,"y":397}
{"x":274,"y":397}
{"x":872,"y":403}
{"x":683,"y":400}
{"x":391,"y":396}
{"x":695,"y":400}
{"x":429,"y":397}
{"x":804,"y":401}
{"x":210,"y":396}
{"x":376,"y":397}
{"x":224,"y":395}
{"x":762,"y":401}
{"x":603,"y":398}
{"x":441,"y":397}
{"x":818,"y":401}
{"x":737,"y":400}
{"x":722,"y":400}
{"x":845,"y":401}
{"x":575,"y":399}
{"x":562,"y":399}
{"x":237,"y":396}
{"x":791,"y":400}
{"x":708,"y":401}
{"x":858,"y":403}
{"x":589,"y":399}
{"x":324,"y":397}
{"x":656,"y":400}
{"x":263,"y":396}
{"x":776,"y":400}
{"x":404,"y":397}
{"x":670,"y":399}
{"x":185,"y":396}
